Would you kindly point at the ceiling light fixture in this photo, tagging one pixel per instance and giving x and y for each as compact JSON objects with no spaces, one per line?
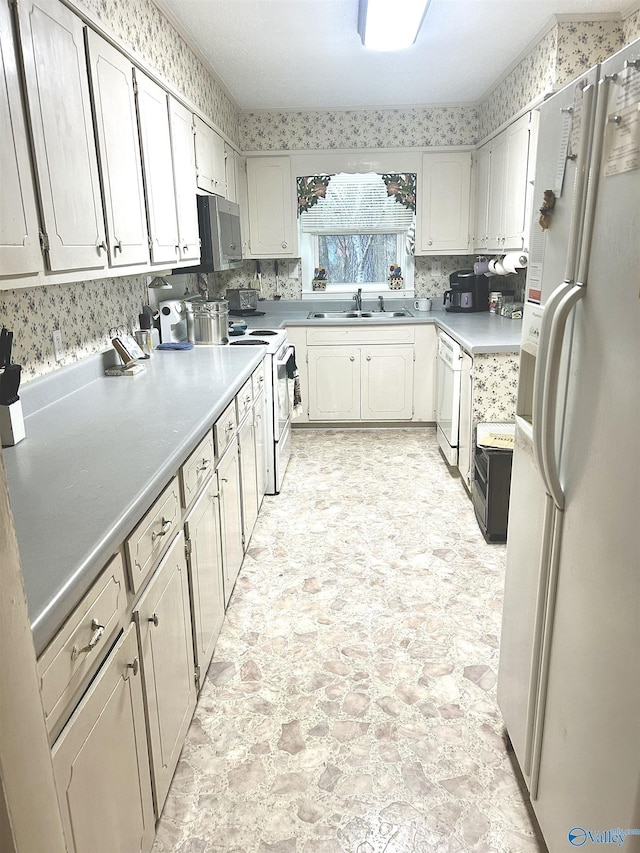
{"x":390,"y":24}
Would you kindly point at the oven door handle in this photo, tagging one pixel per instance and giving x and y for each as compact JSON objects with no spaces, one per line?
{"x":289,"y":351}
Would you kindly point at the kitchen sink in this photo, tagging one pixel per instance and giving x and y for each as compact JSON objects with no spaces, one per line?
{"x":357,"y":315}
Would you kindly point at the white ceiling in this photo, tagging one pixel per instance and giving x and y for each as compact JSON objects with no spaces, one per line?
{"x":307,"y":54}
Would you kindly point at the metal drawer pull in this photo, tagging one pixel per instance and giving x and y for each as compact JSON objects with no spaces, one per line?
{"x":368,"y":358}
{"x":135,"y":666}
{"x":101,"y":247}
{"x":166,"y":524}
{"x":229,"y":427}
{"x":204,"y":466}
{"x":117,"y":247}
{"x":352,"y":358}
{"x":98,"y":631}
{"x":154,"y":619}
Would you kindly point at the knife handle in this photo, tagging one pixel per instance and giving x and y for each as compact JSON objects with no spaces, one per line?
{"x":122,"y":351}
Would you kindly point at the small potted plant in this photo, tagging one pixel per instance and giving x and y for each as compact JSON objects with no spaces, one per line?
{"x":319,"y":281}
{"x":395,"y":277}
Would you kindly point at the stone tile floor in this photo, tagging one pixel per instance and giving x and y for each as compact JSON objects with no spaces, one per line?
{"x":351,"y":703}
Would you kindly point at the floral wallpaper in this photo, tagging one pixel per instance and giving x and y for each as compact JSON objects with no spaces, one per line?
{"x":144,"y":29}
{"x":403,"y":128}
{"x":495,"y":387}
{"x":631,"y":26}
{"x":581,"y":45}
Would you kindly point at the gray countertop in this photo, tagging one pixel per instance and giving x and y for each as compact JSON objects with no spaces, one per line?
{"x":94,"y":461}
{"x":477,"y":333}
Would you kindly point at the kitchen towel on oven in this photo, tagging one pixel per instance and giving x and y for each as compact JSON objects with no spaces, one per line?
{"x":294,"y":385}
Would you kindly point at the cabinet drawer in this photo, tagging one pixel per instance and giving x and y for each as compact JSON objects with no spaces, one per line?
{"x":257,"y":381}
{"x":195,"y":471}
{"x":358,"y":334}
{"x":153,"y":534}
{"x":224,"y":428}
{"x":83,"y":642}
{"x":244,"y":400}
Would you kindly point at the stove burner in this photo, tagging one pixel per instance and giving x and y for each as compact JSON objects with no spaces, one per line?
{"x":263,"y":332}
{"x":247,"y":343}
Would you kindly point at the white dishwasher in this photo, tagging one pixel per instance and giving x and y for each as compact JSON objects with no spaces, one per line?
{"x":449,"y":366}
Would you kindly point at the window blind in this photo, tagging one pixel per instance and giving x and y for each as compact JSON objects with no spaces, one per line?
{"x":356,"y":203}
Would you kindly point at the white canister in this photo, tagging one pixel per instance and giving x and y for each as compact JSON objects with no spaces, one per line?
{"x":422,"y":304}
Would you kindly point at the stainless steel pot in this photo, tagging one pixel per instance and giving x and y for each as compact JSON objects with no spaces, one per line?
{"x":207,"y":321}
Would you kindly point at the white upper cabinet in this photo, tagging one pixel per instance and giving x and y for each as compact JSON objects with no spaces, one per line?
{"x":65,"y":153}
{"x":184,"y":178}
{"x":272,"y":219}
{"x":19,"y":240}
{"x":444,"y":198}
{"x":210,"y":163}
{"x":157,"y":163}
{"x":119,"y":153}
{"x":503,"y":188}
{"x":231,"y":167}
{"x":482,"y":163}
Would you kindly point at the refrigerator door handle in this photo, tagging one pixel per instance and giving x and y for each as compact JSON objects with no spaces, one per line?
{"x":540,"y":374}
{"x":548,"y":450}
{"x":593,"y":179}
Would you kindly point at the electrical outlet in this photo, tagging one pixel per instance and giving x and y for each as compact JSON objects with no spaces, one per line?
{"x":58,"y":352}
{"x":436,"y":267}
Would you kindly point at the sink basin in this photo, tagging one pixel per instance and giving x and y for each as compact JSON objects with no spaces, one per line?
{"x":357,"y":315}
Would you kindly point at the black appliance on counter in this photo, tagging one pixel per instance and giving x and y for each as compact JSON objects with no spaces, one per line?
{"x":468,"y":292}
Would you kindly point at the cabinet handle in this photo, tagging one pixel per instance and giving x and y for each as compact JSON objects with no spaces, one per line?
{"x":368,"y":358}
{"x":352,"y":358}
{"x":185,"y":249}
{"x":101,"y":246}
{"x":284,"y":244}
{"x":205,"y":465}
{"x":135,"y":666}
{"x":224,"y":479}
{"x":98,"y":631}
{"x":154,"y":619}
{"x":229,"y":427}
{"x":117,"y":247}
{"x":430,"y":243}
{"x":166,"y":524}
{"x":177,"y":248}
{"x":247,"y":399}
{"x":232,"y":247}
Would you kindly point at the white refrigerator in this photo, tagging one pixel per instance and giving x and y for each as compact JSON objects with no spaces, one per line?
{"x":569,"y":674}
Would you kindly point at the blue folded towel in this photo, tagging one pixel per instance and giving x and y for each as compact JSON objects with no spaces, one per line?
{"x":175,"y":345}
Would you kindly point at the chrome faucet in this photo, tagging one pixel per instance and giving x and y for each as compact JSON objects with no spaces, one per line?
{"x":381,"y":302}
{"x":358,"y":298}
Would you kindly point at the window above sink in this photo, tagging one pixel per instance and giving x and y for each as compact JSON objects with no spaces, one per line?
{"x":354,"y":228}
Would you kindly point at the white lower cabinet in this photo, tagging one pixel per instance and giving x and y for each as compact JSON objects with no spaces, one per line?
{"x":465,"y":431}
{"x":351,"y":383}
{"x":204,"y":558}
{"x":101,"y":762}
{"x":248,"y":476}
{"x":228,"y":472}
{"x":163,"y":616}
{"x":260,"y":427}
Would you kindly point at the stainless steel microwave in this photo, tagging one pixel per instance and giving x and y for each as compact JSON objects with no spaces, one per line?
{"x":220,"y":236}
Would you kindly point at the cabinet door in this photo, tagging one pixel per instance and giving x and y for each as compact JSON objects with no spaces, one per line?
{"x":64,"y":145}
{"x":210,"y":160}
{"x":230,"y":517}
{"x":334,"y":383}
{"x":101,"y":762}
{"x":230,"y":165}
{"x":202,"y":529}
{"x":248,"y":477}
{"x":387,"y":383}
{"x":481,"y":223}
{"x":272,"y":221}
{"x":260,"y":426}
{"x":184,"y":178}
{"x":445,"y":201}
{"x":119,"y":153}
{"x":163,"y":616}
{"x":19,"y":239}
{"x":157,"y":164}
{"x":497,"y":178}
{"x":465,"y":430}
{"x":517,"y":158}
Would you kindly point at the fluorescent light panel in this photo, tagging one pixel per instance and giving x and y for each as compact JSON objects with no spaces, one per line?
{"x":390,"y":24}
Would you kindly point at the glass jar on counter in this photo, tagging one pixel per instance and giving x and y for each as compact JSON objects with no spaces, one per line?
{"x":495,"y":301}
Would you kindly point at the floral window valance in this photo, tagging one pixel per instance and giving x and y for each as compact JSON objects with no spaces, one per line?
{"x":402,"y":186}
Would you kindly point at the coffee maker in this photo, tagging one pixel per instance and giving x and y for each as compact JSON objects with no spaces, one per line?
{"x":468,"y":292}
